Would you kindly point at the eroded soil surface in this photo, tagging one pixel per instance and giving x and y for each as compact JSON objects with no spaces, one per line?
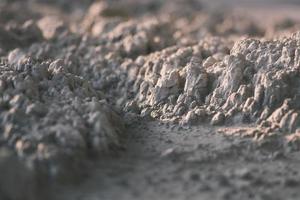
{"x":149,"y":100}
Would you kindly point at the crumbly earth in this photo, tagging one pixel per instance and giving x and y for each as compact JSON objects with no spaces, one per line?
{"x":80,"y":83}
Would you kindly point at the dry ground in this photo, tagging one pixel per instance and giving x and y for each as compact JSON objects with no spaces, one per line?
{"x":164,"y":162}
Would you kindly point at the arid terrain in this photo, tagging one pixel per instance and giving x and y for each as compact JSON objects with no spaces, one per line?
{"x":152,"y":99}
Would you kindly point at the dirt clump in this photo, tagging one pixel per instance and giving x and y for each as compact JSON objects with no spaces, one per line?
{"x":252,"y":82}
{"x":50,"y":115}
{"x":68,"y":86}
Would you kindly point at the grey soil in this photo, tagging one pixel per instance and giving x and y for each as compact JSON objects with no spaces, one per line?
{"x":149,"y":100}
{"x":162,"y":162}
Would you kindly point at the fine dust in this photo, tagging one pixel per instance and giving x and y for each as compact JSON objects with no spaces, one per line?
{"x":149,"y":100}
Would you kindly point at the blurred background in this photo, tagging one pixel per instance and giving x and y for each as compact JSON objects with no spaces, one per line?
{"x":196,"y":18}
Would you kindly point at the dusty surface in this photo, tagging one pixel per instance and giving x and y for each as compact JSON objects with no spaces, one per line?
{"x":149,"y":100}
{"x":161,"y":162}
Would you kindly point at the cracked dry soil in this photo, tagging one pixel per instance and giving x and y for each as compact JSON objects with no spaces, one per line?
{"x":149,"y":100}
